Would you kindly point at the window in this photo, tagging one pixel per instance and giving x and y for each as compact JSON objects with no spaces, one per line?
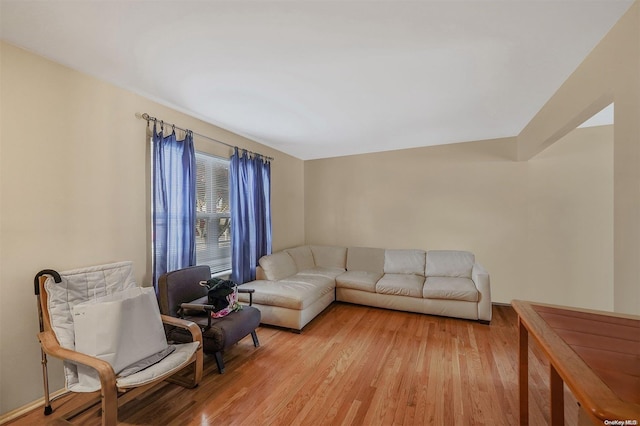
{"x":213,"y":214}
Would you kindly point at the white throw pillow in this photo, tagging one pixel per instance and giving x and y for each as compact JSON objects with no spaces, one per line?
{"x":122,"y":328}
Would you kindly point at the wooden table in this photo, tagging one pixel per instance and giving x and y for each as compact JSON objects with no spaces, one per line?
{"x":597,"y":354}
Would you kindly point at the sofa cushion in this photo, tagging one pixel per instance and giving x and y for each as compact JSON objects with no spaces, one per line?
{"x":302,"y":256}
{"x":292,"y":294}
{"x":330,"y":256}
{"x":365,"y":259}
{"x":278,"y":265}
{"x":404,"y":262}
{"x":449,"y":263}
{"x":401,"y":285}
{"x":322,"y":271}
{"x":359,"y":280}
{"x":313,"y":280}
{"x":453,"y":288}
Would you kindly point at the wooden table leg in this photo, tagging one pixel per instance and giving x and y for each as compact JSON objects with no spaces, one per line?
{"x":557,"y":397}
{"x":523,"y":372}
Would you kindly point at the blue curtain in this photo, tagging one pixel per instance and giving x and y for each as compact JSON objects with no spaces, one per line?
{"x":250,"y":198}
{"x":174,"y":204}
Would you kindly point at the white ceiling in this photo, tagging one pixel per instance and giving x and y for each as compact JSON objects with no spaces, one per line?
{"x":320,"y":79}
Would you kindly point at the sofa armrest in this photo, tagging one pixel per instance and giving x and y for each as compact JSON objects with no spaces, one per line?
{"x":260,"y":275}
{"x":481,"y":279}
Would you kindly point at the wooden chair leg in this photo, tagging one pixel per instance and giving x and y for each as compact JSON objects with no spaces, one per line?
{"x":219,"y":362}
{"x":109,"y":405}
{"x":254,"y":336}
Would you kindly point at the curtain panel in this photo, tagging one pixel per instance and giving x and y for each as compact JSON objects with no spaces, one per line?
{"x":174,"y":204}
{"x":250,"y":198}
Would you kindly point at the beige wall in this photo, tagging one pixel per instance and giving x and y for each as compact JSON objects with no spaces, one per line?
{"x":65,"y":136}
{"x":611,"y":72}
{"x":73,"y":192}
{"x":542,"y":228}
{"x":569,"y":222}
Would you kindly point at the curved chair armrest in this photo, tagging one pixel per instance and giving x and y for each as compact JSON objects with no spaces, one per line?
{"x":51,"y":347}
{"x":197,"y":307}
{"x":191,"y":326}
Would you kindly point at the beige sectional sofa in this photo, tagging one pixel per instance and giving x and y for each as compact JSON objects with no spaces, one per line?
{"x":293,"y":286}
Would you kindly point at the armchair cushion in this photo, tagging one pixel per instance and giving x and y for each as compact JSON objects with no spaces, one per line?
{"x":173,"y":361}
{"x":224,"y":331}
{"x":74,"y":288}
{"x":77,"y":283}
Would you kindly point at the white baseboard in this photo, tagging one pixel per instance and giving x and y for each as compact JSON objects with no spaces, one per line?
{"x":20,"y":411}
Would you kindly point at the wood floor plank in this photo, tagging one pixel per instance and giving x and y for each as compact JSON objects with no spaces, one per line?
{"x":355,"y":365}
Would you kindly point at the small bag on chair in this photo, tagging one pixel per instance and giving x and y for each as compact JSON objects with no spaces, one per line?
{"x":223,"y":295}
{"x":123,"y":329}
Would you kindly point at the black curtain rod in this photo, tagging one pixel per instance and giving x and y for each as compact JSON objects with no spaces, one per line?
{"x":148,"y":118}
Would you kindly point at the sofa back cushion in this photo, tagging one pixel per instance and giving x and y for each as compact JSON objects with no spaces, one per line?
{"x":449,"y":263}
{"x":278,"y":266}
{"x":329,"y":256}
{"x":404,"y":262}
{"x":302,"y":256}
{"x":365,"y":259}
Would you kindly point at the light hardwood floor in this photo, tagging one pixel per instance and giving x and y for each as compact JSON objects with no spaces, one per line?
{"x":355,"y":365}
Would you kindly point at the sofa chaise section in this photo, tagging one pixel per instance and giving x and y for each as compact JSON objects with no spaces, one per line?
{"x":295,"y":285}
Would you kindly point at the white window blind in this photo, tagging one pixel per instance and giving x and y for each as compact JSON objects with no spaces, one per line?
{"x":213,"y":214}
